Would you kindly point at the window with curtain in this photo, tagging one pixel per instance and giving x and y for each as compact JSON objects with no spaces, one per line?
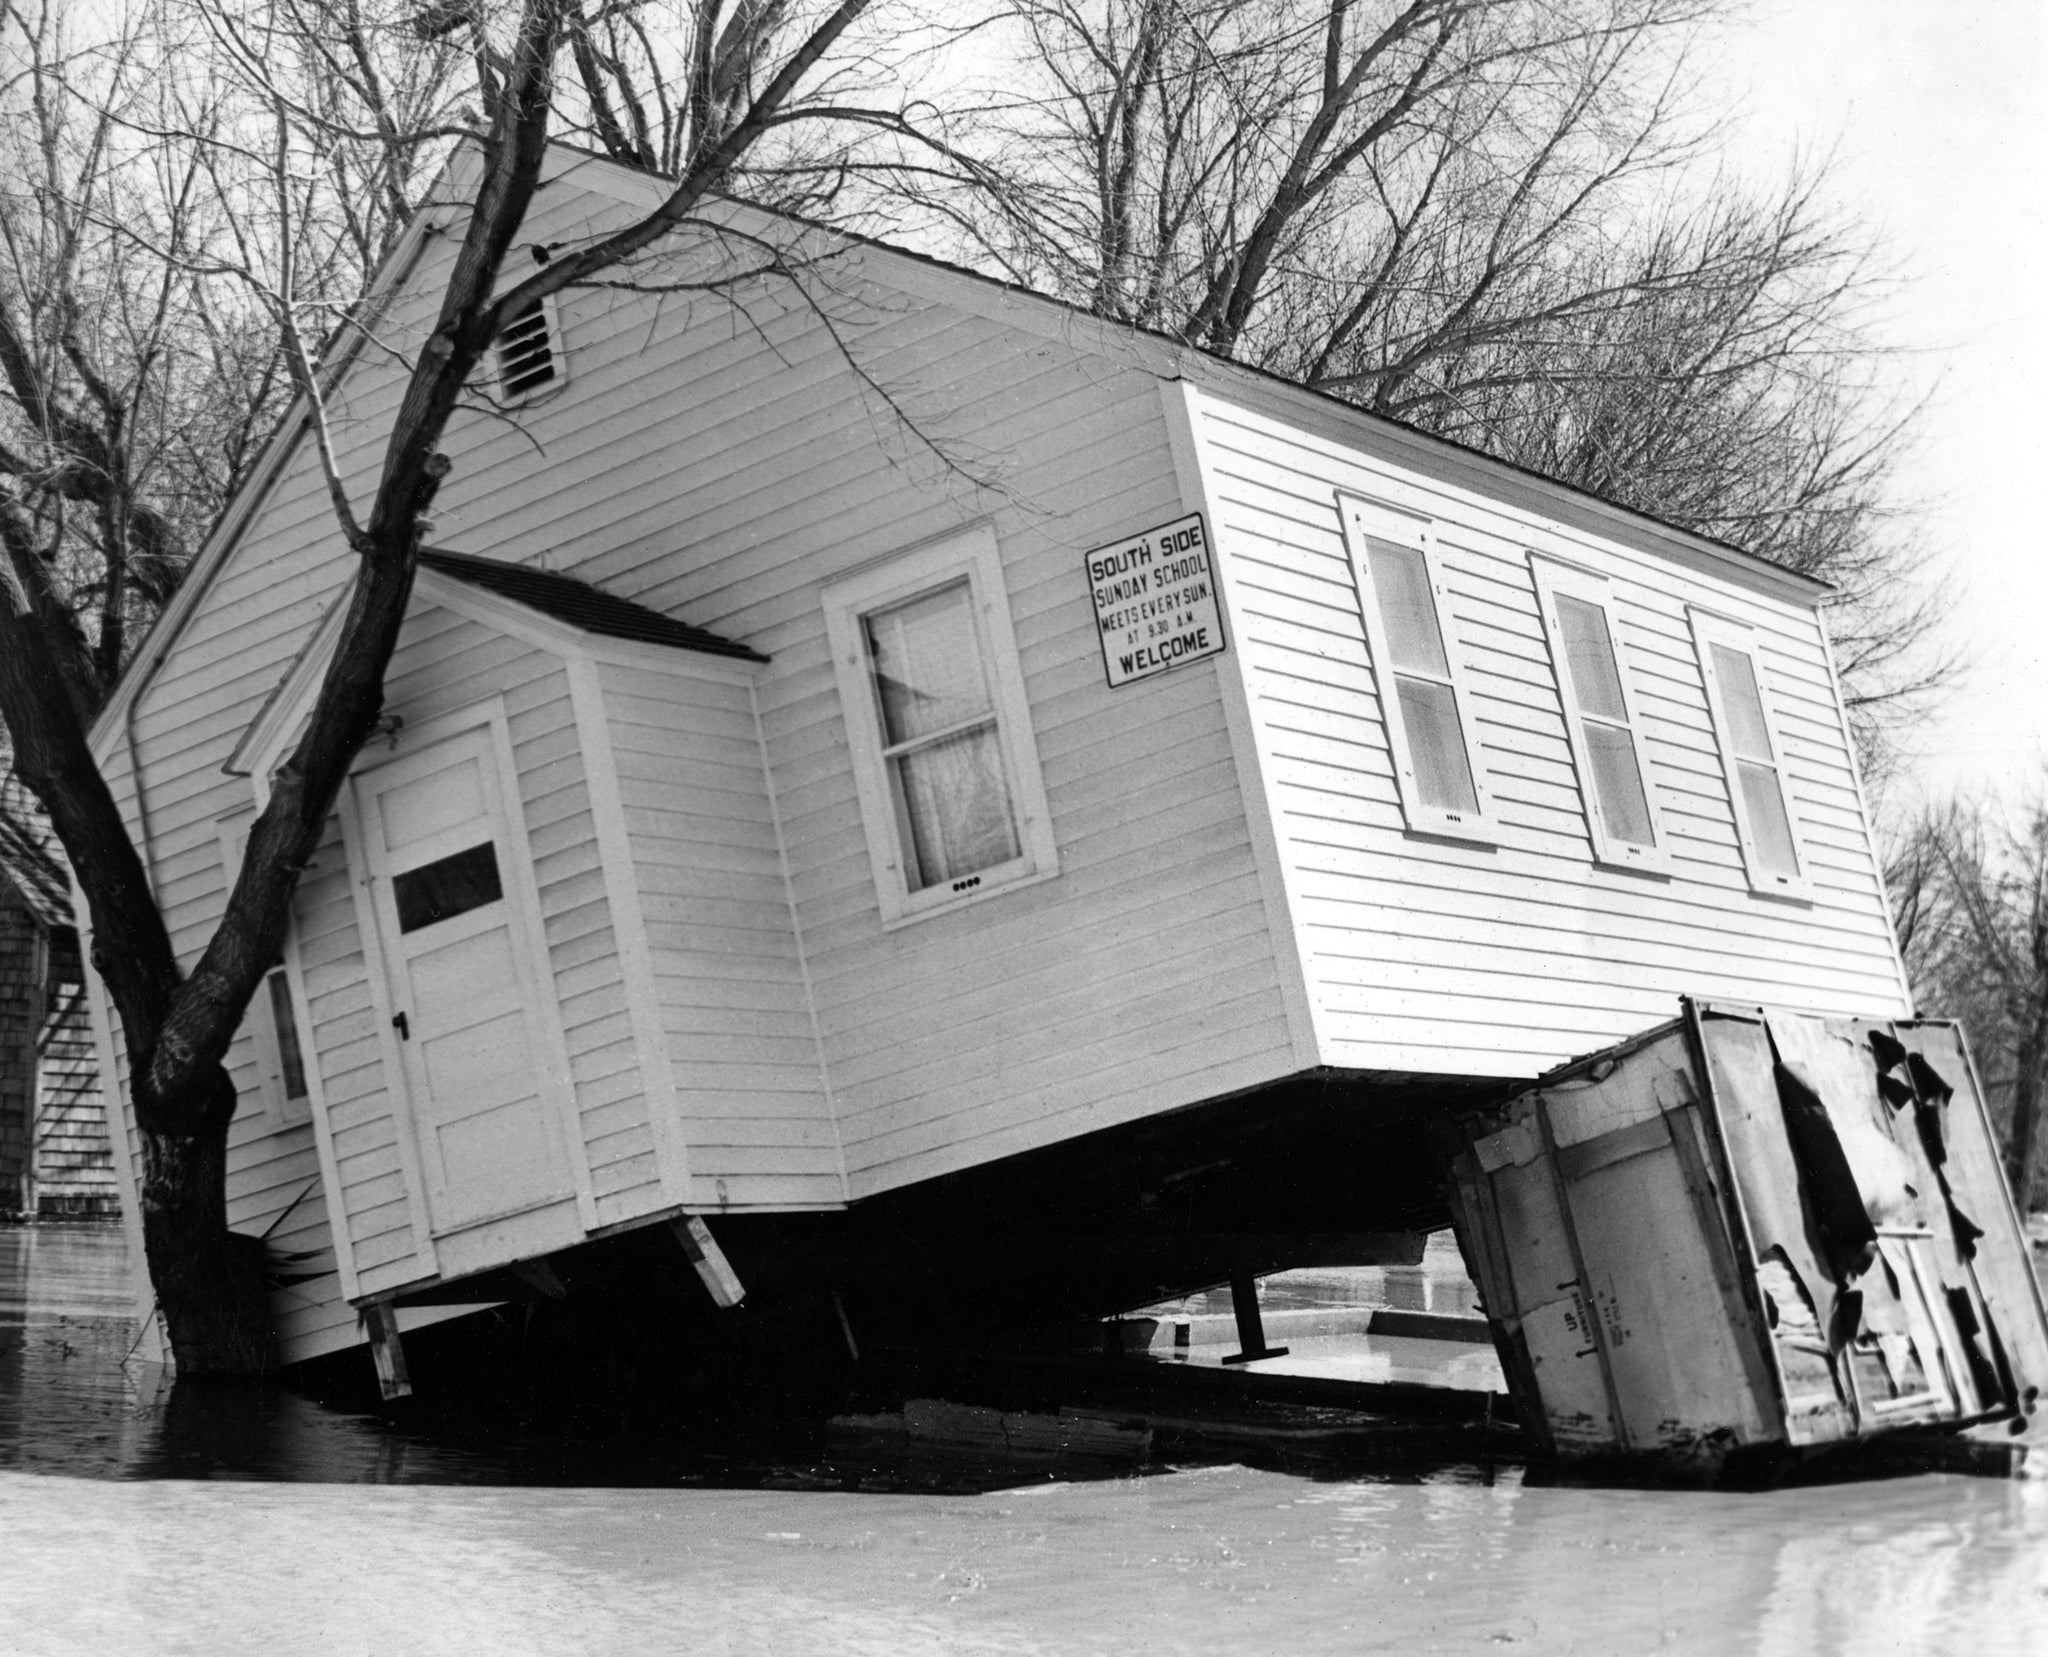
{"x":1601,"y":724}
{"x":940,"y":739}
{"x":1425,"y":700}
{"x":943,"y":756}
{"x":1751,"y":759}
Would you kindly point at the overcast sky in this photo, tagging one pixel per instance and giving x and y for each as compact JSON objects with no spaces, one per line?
{"x":1937,"y":113}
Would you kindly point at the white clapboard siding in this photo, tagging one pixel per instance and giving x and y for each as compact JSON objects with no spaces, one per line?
{"x":1428,"y":954}
{"x":369,"y":1190}
{"x":724,"y":473}
{"x":730,"y":992}
{"x":446,"y":665}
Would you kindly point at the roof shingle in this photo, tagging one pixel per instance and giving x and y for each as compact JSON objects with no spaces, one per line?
{"x":29,"y":860}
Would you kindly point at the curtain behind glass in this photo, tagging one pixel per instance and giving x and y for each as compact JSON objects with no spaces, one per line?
{"x":1436,"y":745}
{"x":927,"y":664}
{"x":1619,"y":783}
{"x":1596,"y":678}
{"x":1414,"y":639}
{"x":957,"y":807}
{"x":1763,"y":794}
{"x":1429,"y":706}
{"x":950,"y":791}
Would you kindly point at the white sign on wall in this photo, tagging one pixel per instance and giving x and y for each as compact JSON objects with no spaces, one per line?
{"x":1155,"y":600}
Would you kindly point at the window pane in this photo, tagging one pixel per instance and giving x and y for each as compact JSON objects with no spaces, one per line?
{"x":447,"y":887}
{"x":1443,"y":776}
{"x":1596,"y":680}
{"x":289,"y":1056}
{"x":1763,"y":802}
{"x":1619,"y":783}
{"x":927,"y":664}
{"x":1407,"y":607}
{"x":1744,"y":703}
{"x":956,"y":806}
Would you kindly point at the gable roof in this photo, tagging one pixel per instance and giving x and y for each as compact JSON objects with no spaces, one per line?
{"x":587,"y":608}
{"x":930,"y":277}
{"x":554,"y":612}
{"x":28,"y":854}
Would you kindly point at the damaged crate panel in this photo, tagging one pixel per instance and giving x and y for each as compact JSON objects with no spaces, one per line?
{"x":1752,"y":1229}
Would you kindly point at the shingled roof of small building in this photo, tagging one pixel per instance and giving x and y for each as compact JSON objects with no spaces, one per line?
{"x":28,"y":860}
{"x":580,"y":604}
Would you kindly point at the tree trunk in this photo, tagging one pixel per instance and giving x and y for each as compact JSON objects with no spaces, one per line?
{"x":178,"y":1025}
{"x":210,"y":1284}
{"x":2026,"y":1111}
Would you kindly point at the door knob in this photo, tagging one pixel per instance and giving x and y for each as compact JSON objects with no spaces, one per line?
{"x":398,"y":1023}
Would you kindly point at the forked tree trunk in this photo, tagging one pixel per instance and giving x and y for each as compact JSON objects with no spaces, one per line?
{"x":177,"y":1024}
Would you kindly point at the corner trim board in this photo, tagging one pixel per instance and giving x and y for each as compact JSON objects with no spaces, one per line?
{"x":629,"y":929}
{"x":1180,"y":402}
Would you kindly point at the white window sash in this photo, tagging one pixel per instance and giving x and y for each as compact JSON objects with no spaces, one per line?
{"x":848,"y":602}
{"x":1552,"y":580}
{"x":1709,"y":630}
{"x":1361,"y":518}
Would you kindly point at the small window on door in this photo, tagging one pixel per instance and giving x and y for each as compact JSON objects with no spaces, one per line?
{"x":1752,"y":760}
{"x":1418,"y":671}
{"x":447,"y":887}
{"x":1602,"y":726}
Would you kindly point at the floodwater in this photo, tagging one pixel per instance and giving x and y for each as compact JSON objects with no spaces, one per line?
{"x":134,"y":1522}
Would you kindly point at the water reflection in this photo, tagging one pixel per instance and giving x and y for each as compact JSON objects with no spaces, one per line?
{"x":257,"y":1521}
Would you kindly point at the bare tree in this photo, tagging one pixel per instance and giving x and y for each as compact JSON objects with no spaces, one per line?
{"x":177,"y":1025}
{"x":1495,"y":219}
{"x":1969,"y":887}
{"x":132,"y":390}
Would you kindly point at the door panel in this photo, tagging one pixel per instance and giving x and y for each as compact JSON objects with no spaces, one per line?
{"x":461,"y":966}
{"x":412,"y":814}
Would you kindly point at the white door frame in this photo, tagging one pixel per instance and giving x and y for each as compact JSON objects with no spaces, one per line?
{"x":522,"y":897}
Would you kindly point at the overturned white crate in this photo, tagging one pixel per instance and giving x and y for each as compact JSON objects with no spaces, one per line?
{"x":1753,"y":1230}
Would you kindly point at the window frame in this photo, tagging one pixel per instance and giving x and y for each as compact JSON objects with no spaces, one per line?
{"x":1709,"y":629}
{"x":1553,"y":579}
{"x":1360,"y":518}
{"x":259,"y":1019}
{"x":848,"y":601}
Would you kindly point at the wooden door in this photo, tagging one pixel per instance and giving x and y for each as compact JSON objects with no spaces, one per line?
{"x":463,"y":973}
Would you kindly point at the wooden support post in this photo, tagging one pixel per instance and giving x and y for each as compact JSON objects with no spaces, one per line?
{"x":846,"y":1327}
{"x":381,"y":1319}
{"x":1251,"y":1328}
{"x":719,"y":1278}
{"x":540,"y":1277}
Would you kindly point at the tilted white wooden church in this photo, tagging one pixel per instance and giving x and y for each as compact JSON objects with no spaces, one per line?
{"x":870,"y":722}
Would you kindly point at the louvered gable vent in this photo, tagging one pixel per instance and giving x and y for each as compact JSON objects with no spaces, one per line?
{"x":529,"y":357}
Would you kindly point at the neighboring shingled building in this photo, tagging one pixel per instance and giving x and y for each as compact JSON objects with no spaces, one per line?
{"x":55,"y":1162}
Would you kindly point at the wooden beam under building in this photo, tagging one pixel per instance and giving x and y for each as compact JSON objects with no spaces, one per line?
{"x":713,"y":1268}
{"x":381,"y":1320}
